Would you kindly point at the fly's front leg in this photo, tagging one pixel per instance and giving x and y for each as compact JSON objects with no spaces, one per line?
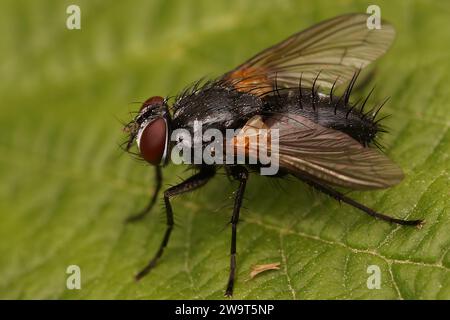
{"x":148,"y":208}
{"x":240,"y":174}
{"x":187,"y":185}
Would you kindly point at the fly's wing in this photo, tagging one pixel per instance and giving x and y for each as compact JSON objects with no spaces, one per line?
{"x":327,"y":155}
{"x":337,"y":48}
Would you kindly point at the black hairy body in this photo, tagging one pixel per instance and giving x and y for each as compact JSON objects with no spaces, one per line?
{"x":218,"y":105}
{"x":326,"y":110}
{"x":319,"y":137}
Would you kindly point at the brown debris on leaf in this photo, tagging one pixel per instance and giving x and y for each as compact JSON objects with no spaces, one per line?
{"x":258,"y":268}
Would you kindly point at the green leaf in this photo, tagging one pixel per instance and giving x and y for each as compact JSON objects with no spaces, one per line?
{"x":67,"y":187}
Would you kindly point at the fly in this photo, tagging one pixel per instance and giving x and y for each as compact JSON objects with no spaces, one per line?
{"x":288,"y":89}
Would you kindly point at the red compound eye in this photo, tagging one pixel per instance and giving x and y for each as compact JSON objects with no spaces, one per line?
{"x":156,"y":100}
{"x":152,"y":142}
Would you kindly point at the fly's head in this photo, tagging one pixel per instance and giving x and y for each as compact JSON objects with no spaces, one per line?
{"x":150,"y":130}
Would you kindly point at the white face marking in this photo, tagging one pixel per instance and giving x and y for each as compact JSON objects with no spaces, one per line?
{"x":166,"y":146}
{"x":141,"y":129}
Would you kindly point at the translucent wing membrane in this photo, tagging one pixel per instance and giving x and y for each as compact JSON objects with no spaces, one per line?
{"x":337,"y":48}
{"x":327,"y":155}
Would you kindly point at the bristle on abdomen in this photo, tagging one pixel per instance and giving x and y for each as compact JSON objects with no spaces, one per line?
{"x":327,"y":110}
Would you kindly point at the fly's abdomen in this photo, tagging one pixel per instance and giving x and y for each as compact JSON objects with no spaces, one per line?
{"x":326,"y":110}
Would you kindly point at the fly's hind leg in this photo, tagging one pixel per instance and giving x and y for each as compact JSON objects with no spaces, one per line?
{"x":190,"y":184}
{"x":341,"y":197}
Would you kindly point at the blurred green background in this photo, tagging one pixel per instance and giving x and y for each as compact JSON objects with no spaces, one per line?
{"x":66,"y":187}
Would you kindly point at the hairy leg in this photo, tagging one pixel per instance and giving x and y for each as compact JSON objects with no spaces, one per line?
{"x":240,"y":174}
{"x":190,"y":184}
{"x":341,"y":197}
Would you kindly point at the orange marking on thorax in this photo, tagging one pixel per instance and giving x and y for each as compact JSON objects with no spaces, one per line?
{"x":251,"y":80}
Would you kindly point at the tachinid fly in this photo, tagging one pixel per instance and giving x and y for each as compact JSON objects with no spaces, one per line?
{"x":289,"y":89}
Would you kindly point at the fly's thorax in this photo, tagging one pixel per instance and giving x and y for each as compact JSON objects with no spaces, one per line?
{"x":215,"y":106}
